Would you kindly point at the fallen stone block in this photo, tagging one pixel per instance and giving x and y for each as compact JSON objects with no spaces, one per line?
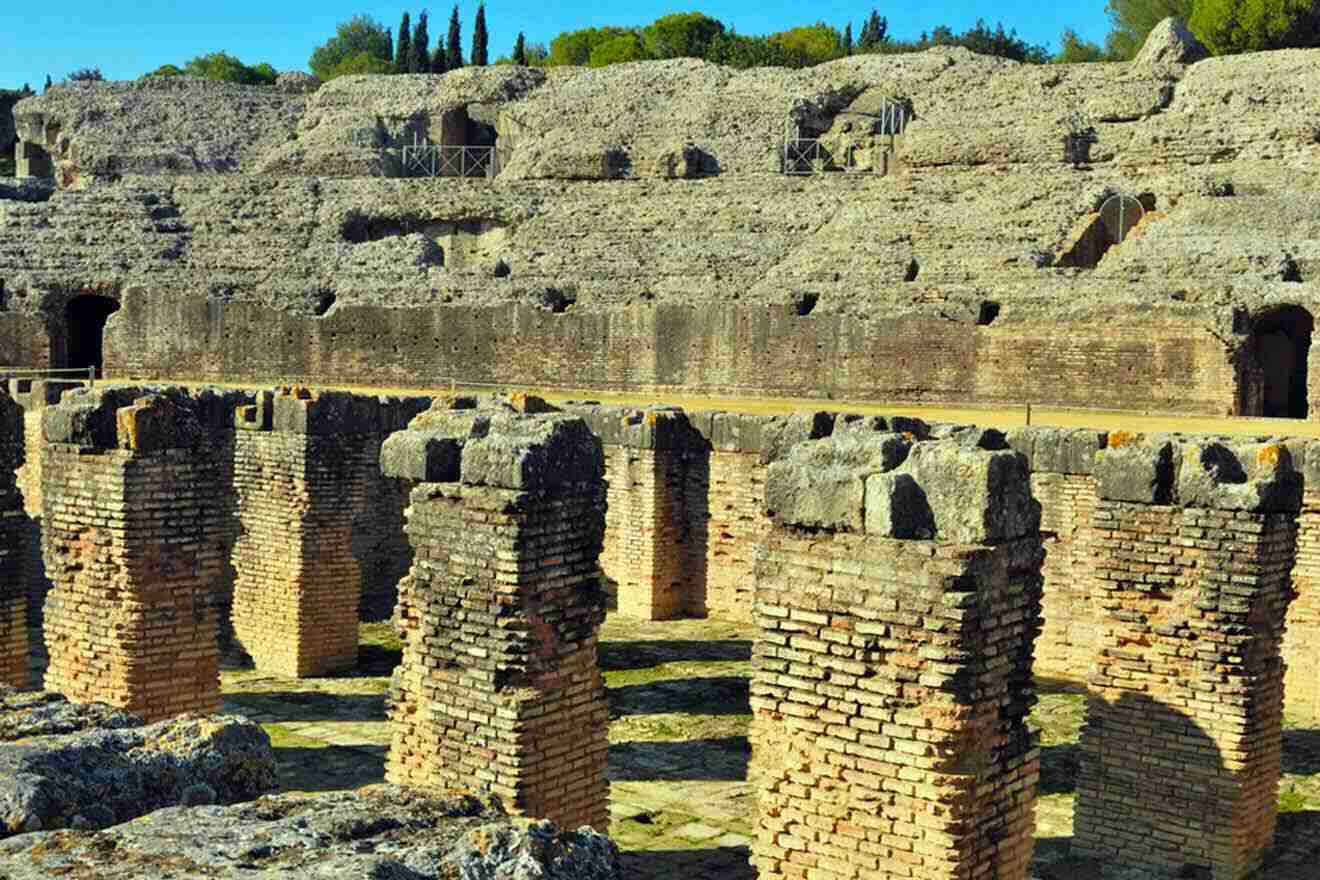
{"x":382,"y":831}
{"x":99,"y":777}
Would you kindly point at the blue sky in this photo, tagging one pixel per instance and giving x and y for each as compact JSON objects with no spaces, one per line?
{"x":126,"y":39}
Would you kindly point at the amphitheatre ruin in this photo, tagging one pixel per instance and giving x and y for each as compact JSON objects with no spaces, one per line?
{"x":631,"y":472}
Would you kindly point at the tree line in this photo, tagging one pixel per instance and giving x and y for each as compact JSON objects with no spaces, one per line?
{"x":363,"y":45}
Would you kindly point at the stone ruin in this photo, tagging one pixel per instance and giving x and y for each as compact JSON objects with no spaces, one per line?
{"x":904,"y":580}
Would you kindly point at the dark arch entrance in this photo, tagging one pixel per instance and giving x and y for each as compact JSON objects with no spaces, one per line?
{"x":84,"y":318}
{"x":1281,"y":343}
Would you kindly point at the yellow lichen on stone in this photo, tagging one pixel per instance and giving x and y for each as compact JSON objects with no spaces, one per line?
{"x":1119,"y":439}
{"x":1269,"y":455}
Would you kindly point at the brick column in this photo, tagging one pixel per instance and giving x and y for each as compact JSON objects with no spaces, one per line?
{"x":499,"y":687}
{"x":133,"y":545}
{"x":897,"y":600}
{"x":298,"y":462}
{"x":1182,"y":742}
{"x":14,"y":644}
{"x":645,"y":559}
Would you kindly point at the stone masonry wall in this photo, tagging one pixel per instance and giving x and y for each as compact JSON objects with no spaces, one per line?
{"x":896,"y":610}
{"x":297,"y":583}
{"x":499,"y":686}
{"x":1182,"y":743}
{"x":133,"y":540}
{"x":14,"y":641}
{"x":1167,"y":361}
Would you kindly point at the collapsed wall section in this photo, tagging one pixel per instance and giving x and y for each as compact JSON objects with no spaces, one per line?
{"x":134,"y":539}
{"x":14,"y":641}
{"x":1181,"y":749}
{"x":898,"y":598}
{"x":499,"y":687}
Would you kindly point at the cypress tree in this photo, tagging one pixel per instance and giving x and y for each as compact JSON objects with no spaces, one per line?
{"x":403,"y":51}
{"x":847,"y":38}
{"x":421,"y":47}
{"x":480,"y":39}
{"x":389,"y":48}
{"x":439,"y":63}
{"x":519,"y":50}
{"x":455,"y":50}
{"x":46,"y":87}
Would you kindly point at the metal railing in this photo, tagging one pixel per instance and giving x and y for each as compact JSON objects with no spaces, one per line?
{"x":74,"y":375}
{"x":803,"y":156}
{"x":443,"y":160}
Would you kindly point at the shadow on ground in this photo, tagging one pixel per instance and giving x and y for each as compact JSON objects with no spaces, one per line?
{"x":718,"y":863}
{"x":329,"y":768}
{"x":1301,"y":750}
{"x":714,"y":695}
{"x":724,"y":758}
{"x":644,"y":653}
{"x":307,"y":706}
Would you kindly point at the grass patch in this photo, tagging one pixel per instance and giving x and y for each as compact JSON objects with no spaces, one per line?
{"x":283,"y":738}
{"x":1292,"y":802}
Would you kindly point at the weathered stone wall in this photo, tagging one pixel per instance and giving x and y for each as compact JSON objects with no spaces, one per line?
{"x":134,"y":540}
{"x":1182,"y":742}
{"x":1164,"y":362}
{"x":1301,"y":638}
{"x":896,"y":611}
{"x":499,"y":686}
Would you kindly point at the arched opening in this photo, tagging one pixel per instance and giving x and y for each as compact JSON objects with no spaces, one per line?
{"x":85,"y":318}
{"x":1280,"y":343}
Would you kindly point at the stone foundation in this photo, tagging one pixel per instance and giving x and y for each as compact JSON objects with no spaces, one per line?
{"x":893,"y":663}
{"x":1182,"y":742}
{"x":133,"y":541}
{"x":499,"y":687}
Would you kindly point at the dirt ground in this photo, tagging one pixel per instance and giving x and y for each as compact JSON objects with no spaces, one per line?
{"x":680,"y":805}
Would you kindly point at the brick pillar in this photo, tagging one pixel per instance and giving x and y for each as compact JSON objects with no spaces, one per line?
{"x":645,"y":559}
{"x":133,"y":545}
{"x":298,"y":461}
{"x":897,"y":600}
{"x":1182,"y":742}
{"x":1302,"y":681}
{"x":14,"y":643}
{"x":499,"y":687}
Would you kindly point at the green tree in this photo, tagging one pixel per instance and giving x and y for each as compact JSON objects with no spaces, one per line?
{"x":1227,"y":27}
{"x":85,"y":74}
{"x":874,"y":33}
{"x":359,"y":34}
{"x":165,"y":70}
{"x":389,"y":49}
{"x":809,"y":45}
{"x":736,"y":50}
{"x":480,"y":39}
{"x":1131,"y":21}
{"x":454,"y":45}
{"x":223,"y":67}
{"x":520,"y":50}
{"x":617,"y":50}
{"x":984,"y":41}
{"x":46,"y":87}
{"x":574,"y":47}
{"x":537,"y":55}
{"x":681,"y":35}
{"x":1074,"y":50}
{"x":847,"y":39}
{"x":361,"y":63}
{"x":403,"y":48}
{"x":421,"y":47}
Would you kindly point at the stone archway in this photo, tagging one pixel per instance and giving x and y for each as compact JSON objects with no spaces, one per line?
{"x":84,"y":322}
{"x":1281,"y":345}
